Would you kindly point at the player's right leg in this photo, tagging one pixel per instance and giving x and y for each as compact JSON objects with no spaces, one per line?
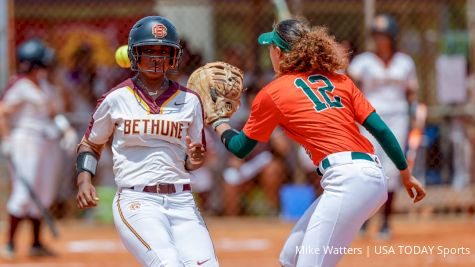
{"x":144,"y":229}
{"x":24,"y":162}
{"x":289,"y":255}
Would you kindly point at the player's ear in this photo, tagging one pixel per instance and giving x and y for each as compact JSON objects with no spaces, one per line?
{"x":276,"y":50}
{"x":279,"y":51}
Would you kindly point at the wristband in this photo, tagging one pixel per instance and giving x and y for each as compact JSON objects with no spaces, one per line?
{"x":86,"y":161}
{"x":219,"y":122}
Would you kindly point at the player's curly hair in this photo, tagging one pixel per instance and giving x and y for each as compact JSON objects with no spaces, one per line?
{"x":313,"y":49}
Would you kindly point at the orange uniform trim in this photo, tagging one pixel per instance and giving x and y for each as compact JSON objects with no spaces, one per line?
{"x":129,"y":226}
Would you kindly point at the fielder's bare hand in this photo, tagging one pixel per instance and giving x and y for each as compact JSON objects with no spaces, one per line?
{"x":87,"y":197}
{"x":196,"y":154}
{"x":411,"y":182}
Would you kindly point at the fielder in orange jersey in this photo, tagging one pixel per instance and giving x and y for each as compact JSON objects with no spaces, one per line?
{"x":320,"y":108}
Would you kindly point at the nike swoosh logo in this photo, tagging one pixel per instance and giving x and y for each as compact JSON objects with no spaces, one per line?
{"x":202,"y":262}
{"x":179,"y":104}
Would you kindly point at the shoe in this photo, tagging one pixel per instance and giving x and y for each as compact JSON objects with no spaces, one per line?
{"x":385,"y":233}
{"x":7,"y":252}
{"x":40,"y":251}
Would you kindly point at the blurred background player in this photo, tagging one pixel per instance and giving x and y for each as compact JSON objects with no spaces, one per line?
{"x":31,"y":128}
{"x":157,"y":133}
{"x":388,"y":79}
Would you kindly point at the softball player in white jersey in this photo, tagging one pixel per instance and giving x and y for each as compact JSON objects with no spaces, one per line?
{"x":157,"y":133}
{"x":387,"y":77}
{"x":28,"y":130}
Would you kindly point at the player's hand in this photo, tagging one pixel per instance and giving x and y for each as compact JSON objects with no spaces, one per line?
{"x":195,"y":151}
{"x":410,"y":183}
{"x":87,"y":197}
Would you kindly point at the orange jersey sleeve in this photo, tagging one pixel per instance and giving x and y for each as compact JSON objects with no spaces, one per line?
{"x":318,"y":111}
{"x":264,"y":117}
{"x":361,"y":106}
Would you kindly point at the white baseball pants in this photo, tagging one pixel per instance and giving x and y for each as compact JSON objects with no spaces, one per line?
{"x":163,"y":229}
{"x":353,"y":191}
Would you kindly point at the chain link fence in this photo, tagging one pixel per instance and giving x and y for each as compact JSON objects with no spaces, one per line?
{"x":86,"y":33}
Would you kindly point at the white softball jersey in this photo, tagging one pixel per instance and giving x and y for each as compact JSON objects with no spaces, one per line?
{"x":385,"y":86}
{"x":148,"y":137}
{"x":32,"y":108}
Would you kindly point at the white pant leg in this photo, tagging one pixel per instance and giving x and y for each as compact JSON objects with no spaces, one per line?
{"x":399,"y":125}
{"x":191,"y":236}
{"x":145,"y":229}
{"x":352,"y":193}
{"x":288,"y":255}
{"x":49,"y":172}
{"x":25,"y":158}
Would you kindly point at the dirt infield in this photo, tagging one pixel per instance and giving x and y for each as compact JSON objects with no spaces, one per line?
{"x":257,"y":242}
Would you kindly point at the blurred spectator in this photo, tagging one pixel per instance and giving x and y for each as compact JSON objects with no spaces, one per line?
{"x":265,"y":170}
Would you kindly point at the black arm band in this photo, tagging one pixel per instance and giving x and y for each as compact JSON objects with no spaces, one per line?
{"x":227,"y":135}
{"x":86,"y":161}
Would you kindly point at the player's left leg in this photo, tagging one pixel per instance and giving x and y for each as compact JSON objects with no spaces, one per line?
{"x":45,"y":188}
{"x":352,"y":193}
{"x":24,"y":170}
{"x":189,"y":231}
{"x":37,"y":248}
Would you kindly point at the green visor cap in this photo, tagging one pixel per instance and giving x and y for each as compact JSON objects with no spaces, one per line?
{"x":273,"y":38}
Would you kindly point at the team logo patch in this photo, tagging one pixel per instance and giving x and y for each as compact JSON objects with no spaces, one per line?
{"x":159,"y":30}
{"x":134,"y":206}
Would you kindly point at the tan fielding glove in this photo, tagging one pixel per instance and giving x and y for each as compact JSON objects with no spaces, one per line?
{"x":220,"y":86}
